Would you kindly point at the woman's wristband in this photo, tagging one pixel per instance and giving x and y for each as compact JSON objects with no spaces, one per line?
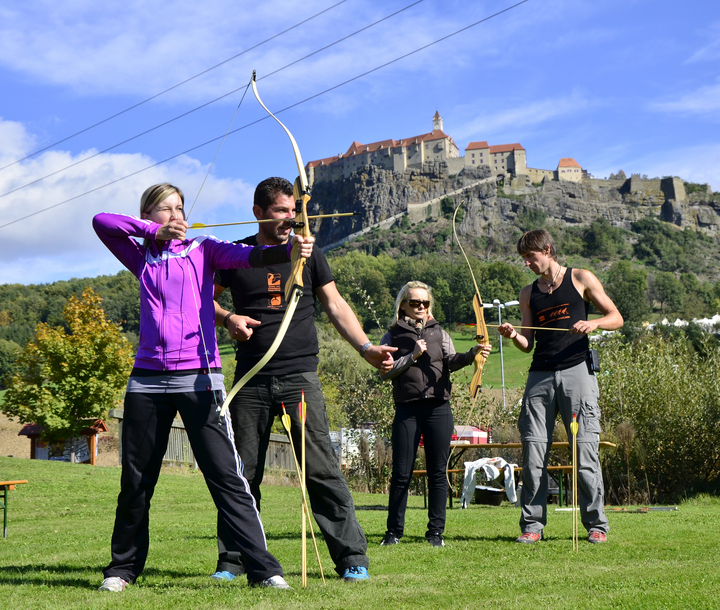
{"x":365,"y":348}
{"x":227,"y":318}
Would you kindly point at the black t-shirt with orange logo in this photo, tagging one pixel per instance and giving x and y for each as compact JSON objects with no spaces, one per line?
{"x":557,"y":351}
{"x":260,"y":294}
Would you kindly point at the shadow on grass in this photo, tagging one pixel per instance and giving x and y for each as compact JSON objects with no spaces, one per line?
{"x":47,"y":575}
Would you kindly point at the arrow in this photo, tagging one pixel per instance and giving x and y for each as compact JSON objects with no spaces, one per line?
{"x":285,"y":419}
{"x":291,"y":222}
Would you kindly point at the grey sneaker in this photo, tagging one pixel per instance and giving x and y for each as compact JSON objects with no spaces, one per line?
{"x":113,"y":584}
{"x":274,"y":582}
{"x":435,"y":540}
{"x":389,"y":539}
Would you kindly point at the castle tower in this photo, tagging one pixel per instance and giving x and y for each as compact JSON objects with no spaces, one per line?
{"x":437,"y":122}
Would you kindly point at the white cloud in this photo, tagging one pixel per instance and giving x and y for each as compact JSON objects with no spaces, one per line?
{"x":526,"y":115}
{"x":701,"y":101}
{"x":15,"y":141}
{"x":105,"y":48}
{"x":710,"y":51}
{"x":60,"y":241}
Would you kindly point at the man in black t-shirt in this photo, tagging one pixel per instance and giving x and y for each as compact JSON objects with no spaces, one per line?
{"x":561,"y":380}
{"x":259,"y":303}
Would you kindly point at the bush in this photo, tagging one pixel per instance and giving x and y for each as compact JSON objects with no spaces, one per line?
{"x":660,"y":400}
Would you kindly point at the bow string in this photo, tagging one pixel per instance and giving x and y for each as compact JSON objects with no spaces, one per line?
{"x":294,"y":284}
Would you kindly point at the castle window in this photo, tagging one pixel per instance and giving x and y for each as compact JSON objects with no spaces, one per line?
{"x":473,"y":162}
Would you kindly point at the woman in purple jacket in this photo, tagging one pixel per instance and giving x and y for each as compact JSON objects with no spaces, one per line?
{"x":178,"y":370}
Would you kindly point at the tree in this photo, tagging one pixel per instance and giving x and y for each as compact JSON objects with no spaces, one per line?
{"x":64,"y":378}
{"x":603,"y":241}
{"x":627,"y":287}
{"x":447,"y":207}
{"x":8,"y":354}
{"x":668,"y":290}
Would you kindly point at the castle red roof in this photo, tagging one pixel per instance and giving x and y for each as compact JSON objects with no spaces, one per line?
{"x":357,"y":148}
{"x":506,"y":148}
{"x":569,"y":162}
{"x":476,"y":145}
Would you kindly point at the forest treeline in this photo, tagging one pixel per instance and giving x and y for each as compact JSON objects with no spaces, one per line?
{"x":654,"y":270}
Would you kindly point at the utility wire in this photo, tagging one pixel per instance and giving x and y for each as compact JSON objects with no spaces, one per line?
{"x":184,"y":114}
{"x":187,"y":80}
{"x":307,"y":99}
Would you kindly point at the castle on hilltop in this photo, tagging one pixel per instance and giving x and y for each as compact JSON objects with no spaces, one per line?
{"x":504,"y":160}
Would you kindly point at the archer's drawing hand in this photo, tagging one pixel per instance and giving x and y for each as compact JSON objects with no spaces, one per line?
{"x":305,"y":243}
{"x":241,"y":327}
{"x":583,"y":327}
{"x":507,"y":330}
{"x":172,"y":229}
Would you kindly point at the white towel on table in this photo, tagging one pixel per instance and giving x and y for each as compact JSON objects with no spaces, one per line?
{"x":492,"y":468}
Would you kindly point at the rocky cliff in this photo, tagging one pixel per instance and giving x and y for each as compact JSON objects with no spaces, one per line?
{"x":378,"y":195}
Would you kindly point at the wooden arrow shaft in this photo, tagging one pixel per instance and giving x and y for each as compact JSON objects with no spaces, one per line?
{"x":200,"y":225}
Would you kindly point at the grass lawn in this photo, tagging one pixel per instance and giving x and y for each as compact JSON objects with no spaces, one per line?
{"x":60,"y":526}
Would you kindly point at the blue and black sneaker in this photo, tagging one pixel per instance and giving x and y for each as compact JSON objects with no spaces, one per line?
{"x":223,"y":575}
{"x":355,"y":574}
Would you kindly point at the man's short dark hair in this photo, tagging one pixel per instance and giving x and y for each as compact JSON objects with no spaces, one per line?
{"x":269,"y":189}
{"x":536,"y":241}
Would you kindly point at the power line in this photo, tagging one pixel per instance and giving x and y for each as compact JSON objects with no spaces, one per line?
{"x":307,"y":99}
{"x":184,"y":114}
{"x":187,"y":80}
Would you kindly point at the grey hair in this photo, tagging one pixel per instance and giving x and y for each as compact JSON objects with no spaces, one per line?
{"x":403,"y":294}
{"x":156,"y":194}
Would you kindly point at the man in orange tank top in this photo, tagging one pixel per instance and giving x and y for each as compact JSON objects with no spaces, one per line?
{"x":561,"y":380}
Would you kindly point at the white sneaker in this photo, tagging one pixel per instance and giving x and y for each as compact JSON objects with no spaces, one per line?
{"x":114,"y":584}
{"x":274,"y":582}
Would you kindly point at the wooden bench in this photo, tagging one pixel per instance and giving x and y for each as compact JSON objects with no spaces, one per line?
{"x":6,"y":486}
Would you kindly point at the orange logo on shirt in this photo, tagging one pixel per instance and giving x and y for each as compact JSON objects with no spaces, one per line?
{"x":274,"y":281}
{"x":553,"y":314}
{"x":274,"y":289}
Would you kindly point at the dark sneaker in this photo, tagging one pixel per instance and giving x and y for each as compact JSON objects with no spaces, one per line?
{"x":355,"y":574}
{"x":389,"y":539}
{"x":113,"y":584}
{"x":274,"y":582}
{"x":435,"y":540}
{"x":597,"y":537}
{"x":529,"y":537}
{"x":223,"y":575}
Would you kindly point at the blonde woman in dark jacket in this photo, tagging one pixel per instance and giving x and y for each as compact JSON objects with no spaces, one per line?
{"x":421,"y":391}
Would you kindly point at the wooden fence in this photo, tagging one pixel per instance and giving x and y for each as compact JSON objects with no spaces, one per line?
{"x":279,"y":454}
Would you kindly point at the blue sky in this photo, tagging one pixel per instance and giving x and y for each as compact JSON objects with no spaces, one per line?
{"x":630,"y":85}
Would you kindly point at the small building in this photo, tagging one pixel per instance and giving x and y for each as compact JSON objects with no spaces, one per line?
{"x":502,"y":159}
{"x":81,"y":450}
{"x":569,"y":169}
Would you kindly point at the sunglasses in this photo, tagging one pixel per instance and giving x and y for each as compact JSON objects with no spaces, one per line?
{"x":417,"y":303}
